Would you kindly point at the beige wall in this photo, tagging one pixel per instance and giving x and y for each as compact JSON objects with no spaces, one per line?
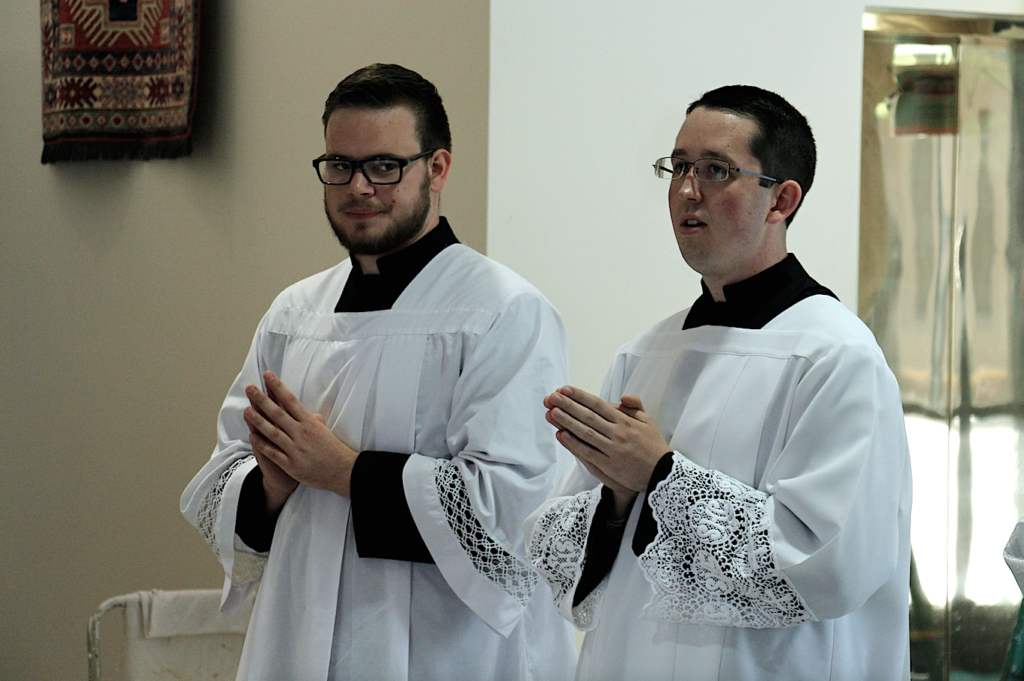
{"x":129,"y":291}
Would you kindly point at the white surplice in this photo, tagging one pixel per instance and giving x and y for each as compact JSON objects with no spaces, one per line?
{"x":1013,"y":554}
{"x":454,"y":374}
{"x":783,"y":530}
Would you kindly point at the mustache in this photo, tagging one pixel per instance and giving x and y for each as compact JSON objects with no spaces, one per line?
{"x":365,"y":205}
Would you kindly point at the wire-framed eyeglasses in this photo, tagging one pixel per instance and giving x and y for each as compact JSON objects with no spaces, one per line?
{"x":381,"y":170}
{"x":704,"y":169}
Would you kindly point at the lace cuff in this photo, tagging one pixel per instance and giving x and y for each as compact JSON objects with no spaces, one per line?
{"x":558,"y":548}
{"x":711,"y":561}
{"x":513,"y":575}
{"x":584,"y":615}
{"x":209,"y":510}
{"x":248,"y":564}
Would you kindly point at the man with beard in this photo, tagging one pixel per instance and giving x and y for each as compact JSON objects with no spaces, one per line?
{"x":381,"y":447}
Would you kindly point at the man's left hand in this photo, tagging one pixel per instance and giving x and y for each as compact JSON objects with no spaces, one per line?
{"x":297,"y":440}
{"x":622,"y":441}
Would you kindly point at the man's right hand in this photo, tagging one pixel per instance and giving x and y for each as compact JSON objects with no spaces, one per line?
{"x":620,"y":444}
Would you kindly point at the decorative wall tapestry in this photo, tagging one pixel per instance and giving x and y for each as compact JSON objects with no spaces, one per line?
{"x":119,"y":78}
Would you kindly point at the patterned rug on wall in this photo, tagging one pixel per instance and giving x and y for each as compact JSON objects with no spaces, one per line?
{"x":119,"y":78}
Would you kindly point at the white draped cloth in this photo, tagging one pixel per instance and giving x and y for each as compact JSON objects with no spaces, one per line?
{"x":783,"y":528}
{"x":453,"y":374}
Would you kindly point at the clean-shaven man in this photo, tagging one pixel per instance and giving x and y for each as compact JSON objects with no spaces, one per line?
{"x":741,"y":507}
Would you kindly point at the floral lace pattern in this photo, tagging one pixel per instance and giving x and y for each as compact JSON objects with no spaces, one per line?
{"x":711,"y":561}
{"x":210,"y":508}
{"x":584,"y":615}
{"x":513,"y":575}
{"x":559,"y":544}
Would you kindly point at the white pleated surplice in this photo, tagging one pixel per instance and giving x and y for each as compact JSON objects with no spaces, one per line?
{"x":453,"y":374}
{"x":1013,"y":554}
{"x":783,"y":529}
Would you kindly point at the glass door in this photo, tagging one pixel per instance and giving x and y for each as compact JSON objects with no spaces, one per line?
{"x":942,"y":287}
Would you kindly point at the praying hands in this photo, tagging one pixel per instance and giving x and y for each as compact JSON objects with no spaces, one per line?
{"x":294,"y":445}
{"x":619,"y":444}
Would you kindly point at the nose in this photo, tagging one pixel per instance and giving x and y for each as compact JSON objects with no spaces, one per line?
{"x":688,"y":186}
{"x":360,"y":185}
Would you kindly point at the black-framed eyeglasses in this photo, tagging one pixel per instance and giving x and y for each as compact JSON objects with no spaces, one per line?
{"x":704,"y":169}
{"x":381,"y":170}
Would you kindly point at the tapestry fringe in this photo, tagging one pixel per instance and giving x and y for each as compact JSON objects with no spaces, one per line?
{"x":68,"y":150}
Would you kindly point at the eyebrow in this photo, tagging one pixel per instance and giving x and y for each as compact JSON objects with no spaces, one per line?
{"x":345,"y":157}
{"x":707,"y":153}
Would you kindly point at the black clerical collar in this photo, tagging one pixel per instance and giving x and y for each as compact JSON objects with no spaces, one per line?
{"x":368,"y":292}
{"x":753,"y":302}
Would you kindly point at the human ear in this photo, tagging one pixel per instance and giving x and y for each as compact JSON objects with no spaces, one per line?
{"x":439,"y":165}
{"x":787,"y":198}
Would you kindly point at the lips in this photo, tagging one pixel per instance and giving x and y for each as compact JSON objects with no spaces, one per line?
{"x":361,"y":212}
{"x":690,"y":222}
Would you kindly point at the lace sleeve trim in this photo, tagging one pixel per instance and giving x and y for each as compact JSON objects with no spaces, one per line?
{"x":711,"y":561}
{"x":209,"y":510}
{"x":513,"y":575}
{"x":558,"y":547}
{"x":584,"y":615}
{"x":248,"y":565}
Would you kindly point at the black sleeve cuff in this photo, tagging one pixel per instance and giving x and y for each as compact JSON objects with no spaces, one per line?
{"x":381,"y":519}
{"x":646,"y":528}
{"x":603,"y":542}
{"x":253,"y":525}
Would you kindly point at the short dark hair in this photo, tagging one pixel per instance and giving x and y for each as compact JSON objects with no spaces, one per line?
{"x":382,"y":86}
{"x":783,"y":143}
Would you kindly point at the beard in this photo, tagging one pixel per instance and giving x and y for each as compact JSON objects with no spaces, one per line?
{"x":404,"y":227}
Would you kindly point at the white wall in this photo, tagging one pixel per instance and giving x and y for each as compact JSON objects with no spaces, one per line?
{"x":584,"y":97}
